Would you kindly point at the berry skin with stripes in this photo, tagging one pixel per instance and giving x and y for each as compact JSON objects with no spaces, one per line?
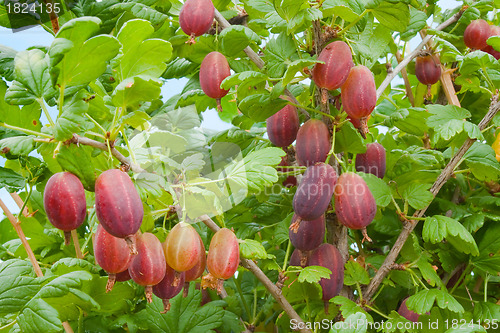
{"x":313,"y":142}
{"x":214,"y":69}
{"x":166,"y":289}
{"x":111,"y":253}
{"x":337,"y":60}
{"x":314,"y":193}
{"x":309,"y":235}
{"x":118,"y":205}
{"x":64,"y":202}
{"x":427,"y":69}
{"x":223,"y":255}
{"x":148,"y":267}
{"x":373,"y":161}
{"x":182,"y":247}
{"x":476,"y":34}
{"x":359,"y":93}
{"x":196,"y":17}
{"x":329,"y":257}
{"x":282,"y":127}
{"x":354,"y":203}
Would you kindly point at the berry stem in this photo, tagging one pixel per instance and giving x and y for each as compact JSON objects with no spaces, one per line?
{"x":76,"y":243}
{"x":111,"y":282}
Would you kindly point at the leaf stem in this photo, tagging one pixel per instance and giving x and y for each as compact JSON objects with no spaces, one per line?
{"x":95,"y":123}
{"x":353,"y":23}
{"x":61,"y":99}
{"x":26,"y":131}
{"x":45,"y":111}
{"x":376,"y":311}
{"x":287,"y":255}
{"x":312,"y":110}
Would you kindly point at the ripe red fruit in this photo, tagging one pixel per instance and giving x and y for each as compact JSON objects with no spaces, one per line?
{"x":64,"y":202}
{"x":313,"y":142}
{"x":118,"y":206}
{"x":147,"y":268}
{"x":337,"y":60}
{"x":427,"y":69}
{"x":329,"y":257}
{"x":476,"y":34}
{"x":166,"y":288}
{"x":407,"y":313}
{"x":214,"y":69}
{"x":314,"y":192}
{"x":223,"y":256}
{"x":296,"y":258}
{"x":111,"y":253}
{"x":196,"y":18}
{"x":182,"y":247}
{"x":309,"y":235}
{"x":495,"y":31}
{"x":198,"y":269}
{"x":354,"y":203}
{"x":282,"y":126}
{"x":373,"y":161}
{"x":123,"y":276}
{"x":290,"y":180}
{"x":359,"y":94}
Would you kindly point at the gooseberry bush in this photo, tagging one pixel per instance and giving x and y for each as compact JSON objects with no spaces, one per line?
{"x":358,"y":182}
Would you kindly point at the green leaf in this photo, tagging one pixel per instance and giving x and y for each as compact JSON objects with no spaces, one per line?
{"x":71,"y":120}
{"x":236,"y":38}
{"x":278,"y":53}
{"x":32,"y":78}
{"x":339,"y":8}
{"x":131,"y":91}
{"x":7,"y":56}
{"x":78,"y":58}
{"x":495,"y":42}
{"x":475,"y":61}
{"x":312,"y":274}
{"x":438,"y":227}
{"x":28,"y":117}
{"x":140,"y":55}
{"x":447,"y":120}
{"x":259,"y":107}
{"x":296,"y":66}
{"x":418,"y":21}
{"x":355,"y":323}
{"x":486,"y":311}
{"x":348,"y":139}
{"x":379,"y":189}
{"x":393,"y":15}
{"x":256,"y":171}
{"x":480,"y":158}
{"x":418,"y":195}
{"x":489,"y":249}
{"x":405,"y":120}
{"x":78,"y":161}
{"x":252,"y":249}
{"x":11,"y":180}
{"x":354,"y":274}
{"x":185,"y":315}
{"x":58,"y":300}
{"x":141,"y":11}
{"x":348,"y":307}
{"x":18,"y":145}
{"x":429,"y":273}
{"x":17,"y":285}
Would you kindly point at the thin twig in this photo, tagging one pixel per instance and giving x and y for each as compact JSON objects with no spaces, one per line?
{"x":82,"y":140}
{"x":20,"y":203}
{"x":20,"y":233}
{"x":413,"y":54}
{"x":411,"y":224}
{"x":259,"y":274}
{"x":409,"y":91}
